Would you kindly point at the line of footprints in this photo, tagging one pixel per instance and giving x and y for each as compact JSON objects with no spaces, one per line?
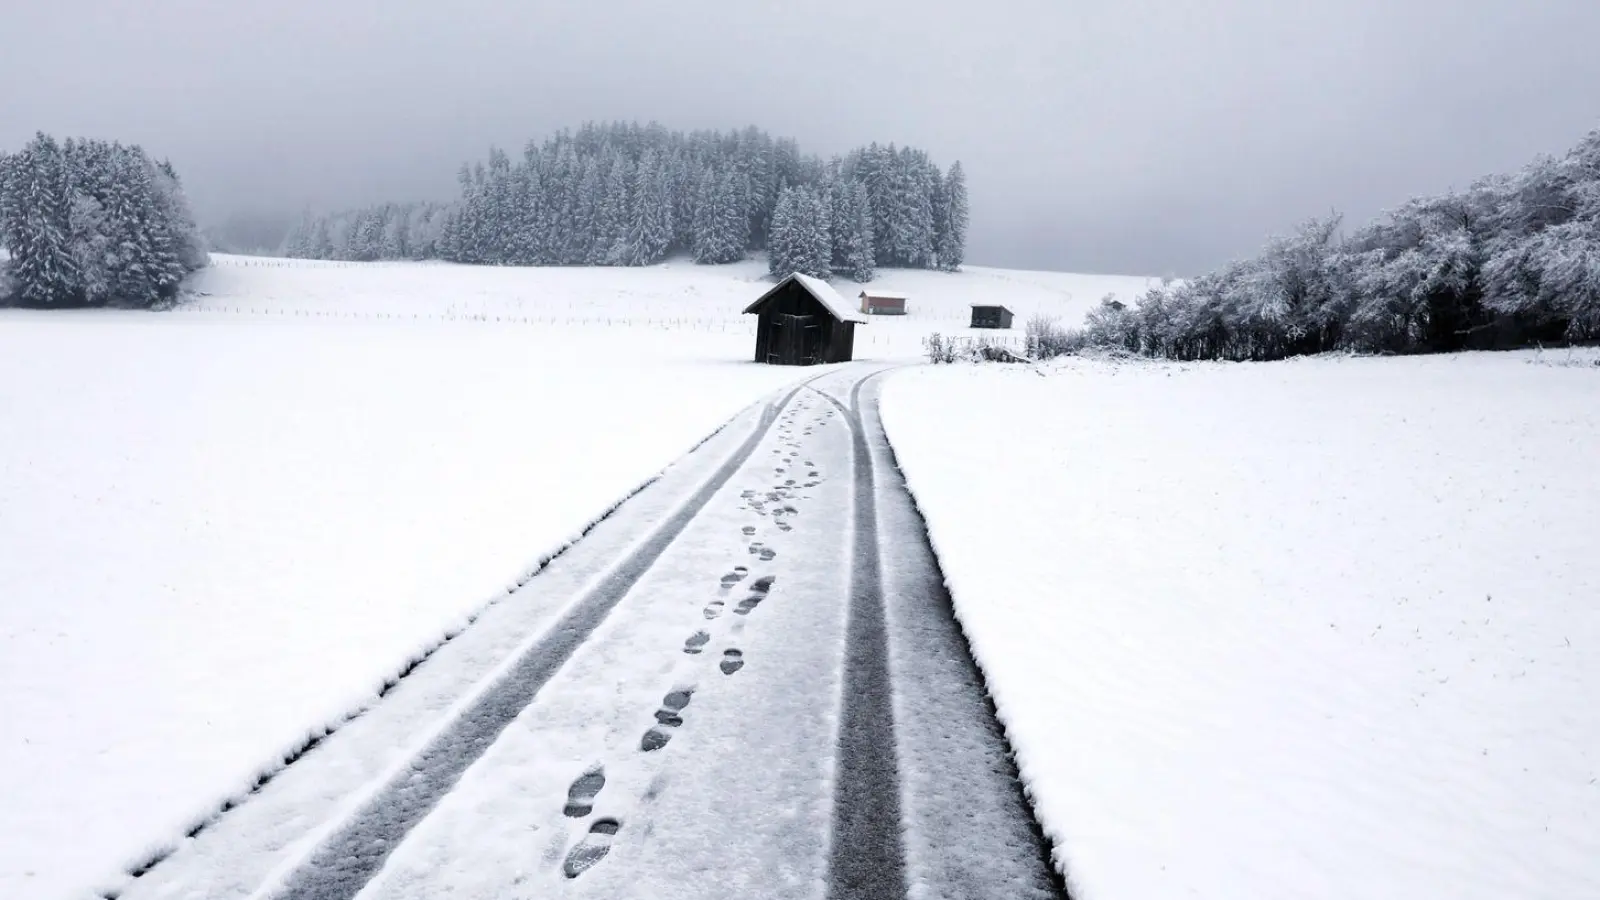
{"x":586,"y":788}
{"x":583,"y":791}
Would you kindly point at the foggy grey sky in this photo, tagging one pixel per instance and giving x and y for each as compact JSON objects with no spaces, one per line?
{"x":1141,"y":136}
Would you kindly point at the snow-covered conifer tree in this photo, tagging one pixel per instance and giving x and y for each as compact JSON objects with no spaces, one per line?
{"x":616,"y":211}
{"x":952,"y":243}
{"x":38,"y":232}
{"x":855,"y":225}
{"x":814,"y":245}
{"x":649,"y":233}
{"x":781,"y":249}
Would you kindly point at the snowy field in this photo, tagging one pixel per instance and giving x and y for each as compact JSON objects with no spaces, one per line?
{"x":1322,"y":629}
{"x":673,"y":297}
{"x":222,"y":528}
{"x":222,"y":532}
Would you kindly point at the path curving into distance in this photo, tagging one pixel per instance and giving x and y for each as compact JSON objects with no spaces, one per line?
{"x":752,"y":683}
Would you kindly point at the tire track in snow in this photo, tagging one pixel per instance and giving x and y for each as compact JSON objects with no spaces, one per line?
{"x":867,"y":858}
{"x":950,"y":724}
{"x":342,"y":863}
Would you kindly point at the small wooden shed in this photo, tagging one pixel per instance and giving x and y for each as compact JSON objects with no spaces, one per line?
{"x":803,"y":322}
{"x":988,"y":315}
{"x":883,"y":303}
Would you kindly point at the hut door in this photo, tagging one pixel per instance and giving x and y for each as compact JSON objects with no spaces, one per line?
{"x":794,"y":340}
{"x":811,"y":342}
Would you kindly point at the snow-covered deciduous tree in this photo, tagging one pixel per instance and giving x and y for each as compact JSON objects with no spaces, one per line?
{"x":1510,"y":261}
{"x":1551,"y":276}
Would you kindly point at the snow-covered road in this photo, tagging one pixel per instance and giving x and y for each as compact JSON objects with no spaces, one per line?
{"x":746,"y":682}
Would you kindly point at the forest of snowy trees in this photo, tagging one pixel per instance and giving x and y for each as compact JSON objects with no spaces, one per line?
{"x":92,"y":223}
{"x":386,"y":231}
{"x":631,"y":195}
{"x":1511,"y":261}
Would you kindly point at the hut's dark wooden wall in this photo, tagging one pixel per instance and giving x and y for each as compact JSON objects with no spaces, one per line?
{"x":991,"y":317}
{"x":794,"y":329}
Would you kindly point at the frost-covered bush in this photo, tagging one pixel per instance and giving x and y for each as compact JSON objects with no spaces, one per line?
{"x":1045,"y":338}
{"x":1112,"y":324}
{"x":944,"y":350}
{"x":1511,"y":261}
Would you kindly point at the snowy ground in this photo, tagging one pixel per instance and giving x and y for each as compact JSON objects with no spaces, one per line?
{"x":1324,"y":628}
{"x":223,"y":528}
{"x":220,"y":533}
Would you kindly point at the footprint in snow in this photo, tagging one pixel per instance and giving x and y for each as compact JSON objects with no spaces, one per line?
{"x":758,"y":593}
{"x":696,"y":642}
{"x":768,"y":554}
{"x":580,"y":796}
{"x":593,"y":848}
{"x":755,"y":548}
{"x":713,"y":609}
{"x":748,"y":530}
{"x":736,"y":576}
{"x":785,"y":526}
{"x":732,"y":661}
{"x":668,"y":718}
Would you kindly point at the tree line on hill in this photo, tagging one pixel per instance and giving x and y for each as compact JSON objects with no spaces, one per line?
{"x":1513,"y":260}
{"x":93,"y":223}
{"x":631,"y":195}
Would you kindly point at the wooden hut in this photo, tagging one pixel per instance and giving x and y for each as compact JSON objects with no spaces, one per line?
{"x":883,"y":303}
{"x":988,"y":315}
{"x":803,"y":322}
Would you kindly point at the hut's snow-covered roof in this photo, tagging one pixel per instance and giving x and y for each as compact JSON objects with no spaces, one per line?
{"x":836,"y":305}
{"x":883,"y":295}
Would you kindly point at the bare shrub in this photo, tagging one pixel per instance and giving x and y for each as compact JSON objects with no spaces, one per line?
{"x":939,"y":349}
